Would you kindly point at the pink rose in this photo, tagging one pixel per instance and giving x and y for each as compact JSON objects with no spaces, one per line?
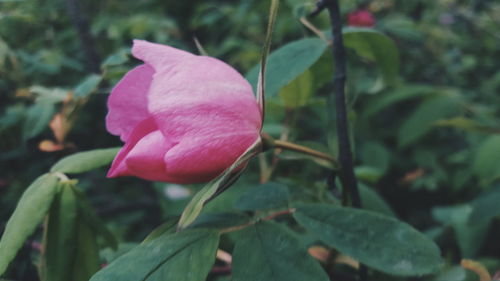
{"x":361,"y":18}
{"x":183,"y":118}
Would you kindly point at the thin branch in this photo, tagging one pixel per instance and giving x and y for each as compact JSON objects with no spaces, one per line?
{"x":345,"y":155}
{"x":285,"y":132}
{"x":200,"y":48}
{"x":314,"y":29}
{"x":347,"y":176}
{"x":265,"y":172}
{"x":280,"y":213}
{"x":250,"y":223}
{"x":320,"y":6}
{"x":306,"y":150}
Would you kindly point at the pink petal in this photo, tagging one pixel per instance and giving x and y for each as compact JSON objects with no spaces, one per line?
{"x":202,"y":81}
{"x":145,"y":160}
{"x":203,"y":157}
{"x":206,"y":120}
{"x":201,"y":115}
{"x":127,"y":102}
{"x":119,"y":167}
{"x":158,"y":55}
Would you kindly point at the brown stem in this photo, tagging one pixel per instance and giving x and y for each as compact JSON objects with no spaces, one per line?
{"x":306,"y":150}
{"x":289,"y":118}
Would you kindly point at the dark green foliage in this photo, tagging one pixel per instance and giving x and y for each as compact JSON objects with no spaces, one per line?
{"x":288,"y":63}
{"x":424,"y":110}
{"x":381,"y":242}
{"x":29,"y":213}
{"x":186,"y":256}
{"x":267,"y":251}
{"x":85,"y":161}
{"x":266,"y":196}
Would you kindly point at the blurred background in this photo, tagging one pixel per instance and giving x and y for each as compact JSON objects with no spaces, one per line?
{"x":427,"y":140}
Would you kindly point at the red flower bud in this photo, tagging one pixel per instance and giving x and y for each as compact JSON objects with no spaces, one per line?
{"x":361,"y":18}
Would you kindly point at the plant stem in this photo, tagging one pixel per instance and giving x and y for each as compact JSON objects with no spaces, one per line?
{"x":306,"y":150}
{"x":346,"y":173}
{"x":250,"y":223}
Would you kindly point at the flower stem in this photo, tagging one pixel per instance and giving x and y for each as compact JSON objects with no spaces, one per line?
{"x":305,"y":150}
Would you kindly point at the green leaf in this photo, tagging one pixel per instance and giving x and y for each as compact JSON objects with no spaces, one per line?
{"x":402,"y":26}
{"x":368,"y":174}
{"x":50,"y":95}
{"x":268,"y":251}
{"x":374,"y":46}
{"x":30,"y":211}
{"x":372,"y":201}
{"x":375,"y":155}
{"x":322,"y":71}
{"x":421,"y":121}
{"x":264,"y":197}
{"x":287,"y":63}
{"x":486,"y":164}
{"x":88,"y":86}
{"x":298,"y":92}
{"x":37,"y":119}
{"x":86,"y":260}
{"x":60,"y":236}
{"x":486,"y":206}
{"x":378,"y":241}
{"x":220,"y":220}
{"x":467,"y":124}
{"x":70,"y":247}
{"x":165,"y":228}
{"x":88,"y":216}
{"x":85,"y":161}
{"x":185,"y":256}
{"x":455,"y":273}
{"x":469,"y":234}
{"x":11,"y":116}
{"x":407,"y":92}
{"x":5,"y":52}
{"x":117,"y":58}
{"x":216,"y":186}
{"x":225,"y":201}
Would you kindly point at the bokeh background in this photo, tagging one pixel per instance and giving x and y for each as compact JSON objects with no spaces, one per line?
{"x":428,"y":142}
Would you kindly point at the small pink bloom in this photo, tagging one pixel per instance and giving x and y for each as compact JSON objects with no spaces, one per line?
{"x":183,"y":118}
{"x":361,"y":18}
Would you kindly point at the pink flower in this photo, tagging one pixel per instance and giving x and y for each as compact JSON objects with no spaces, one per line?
{"x":361,"y":18}
{"x":183,"y":118}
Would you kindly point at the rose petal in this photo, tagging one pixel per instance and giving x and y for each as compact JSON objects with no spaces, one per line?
{"x":119,"y":167}
{"x":158,"y":55}
{"x":202,"y":82}
{"x":207,"y":119}
{"x":127,"y":102}
{"x":201,"y":116}
{"x":145,"y":160}
{"x":202,"y":158}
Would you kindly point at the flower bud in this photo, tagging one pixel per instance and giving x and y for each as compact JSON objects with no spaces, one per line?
{"x":361,"y":18}
{"x":184,"y":118}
